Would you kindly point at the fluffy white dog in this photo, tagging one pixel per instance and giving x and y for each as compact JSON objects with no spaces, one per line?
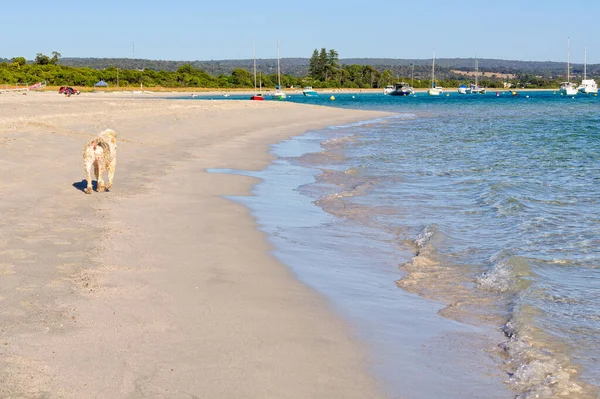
{"x":101,"y":153}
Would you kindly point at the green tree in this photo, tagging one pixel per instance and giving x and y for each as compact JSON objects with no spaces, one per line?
{"x":186,"y":68}
{"x":323,"y":64}
{"x":20,"y":61}
{"x":387,"y":78}
{"x":241,"y":78}
{"x":55,"y":56}
{"x":371,"y":75}
{"x":332,"y":64}
{"x":314,"y":69}
{"x":41,"y":59}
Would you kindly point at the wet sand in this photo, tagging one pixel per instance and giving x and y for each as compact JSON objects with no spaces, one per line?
{"x":160,"y":287}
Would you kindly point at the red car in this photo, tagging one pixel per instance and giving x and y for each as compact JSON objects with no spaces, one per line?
{"x":67,"y":90}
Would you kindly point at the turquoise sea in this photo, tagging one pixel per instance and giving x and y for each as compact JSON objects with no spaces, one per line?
{"x":461,"y":238}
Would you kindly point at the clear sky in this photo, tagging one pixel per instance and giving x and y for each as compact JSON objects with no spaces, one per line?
{"x":189,"y":30}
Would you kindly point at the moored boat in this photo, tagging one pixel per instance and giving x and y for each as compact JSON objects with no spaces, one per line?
{"x":278,"y":94}
{"x":566,"y":88}
{"x":475,"y":89}
{"x":587,"y":86}
{"x":258,"y":96}
{"x":388,"y":89}
{"x":434,"y":90}
{"x":401,"y":89}
{"x":309,"y":91}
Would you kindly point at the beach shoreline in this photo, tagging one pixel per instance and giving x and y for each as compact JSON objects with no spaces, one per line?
{"x":180,"y":92}
{"x":161,"y":286}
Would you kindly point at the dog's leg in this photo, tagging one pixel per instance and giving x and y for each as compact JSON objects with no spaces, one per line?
{"x":111,"y":174}
{"x":87,"y":164}
{"x":100,"y":167}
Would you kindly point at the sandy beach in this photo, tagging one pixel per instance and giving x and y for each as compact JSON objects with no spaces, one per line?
{"x":161,"y":287}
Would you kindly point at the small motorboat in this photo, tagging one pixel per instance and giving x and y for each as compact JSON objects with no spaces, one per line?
{"x":309,"y":91}
{"x":402,"y":89}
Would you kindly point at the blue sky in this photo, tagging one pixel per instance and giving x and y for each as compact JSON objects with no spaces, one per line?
{"x":530,"y":30}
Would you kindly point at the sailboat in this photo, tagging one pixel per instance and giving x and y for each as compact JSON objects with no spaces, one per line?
{"x":475,"y":89}
{"x":587,"y":86}
{"x":566,"y":88}
{"x":433,"y":90}
{"x":278,"y":94}
{"x":258,"y":96}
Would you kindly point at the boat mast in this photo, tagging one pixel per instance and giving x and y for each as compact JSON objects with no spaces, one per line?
{"x":278,"y":70}
{"x":568,"y":67}
{"x":255,"y":67}
{"x":476,"y":71}
{"x":584,"y":62}
{"x":433,"y":71}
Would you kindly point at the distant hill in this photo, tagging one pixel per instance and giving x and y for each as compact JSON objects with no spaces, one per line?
{"x":445,"y":67}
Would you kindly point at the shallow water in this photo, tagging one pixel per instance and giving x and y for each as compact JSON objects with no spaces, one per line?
{"x":460,"y":237}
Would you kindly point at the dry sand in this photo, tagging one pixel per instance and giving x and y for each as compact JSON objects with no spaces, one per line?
{"x":160,"y":288}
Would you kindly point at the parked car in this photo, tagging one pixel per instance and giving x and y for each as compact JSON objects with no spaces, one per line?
{"x":67,"y":90}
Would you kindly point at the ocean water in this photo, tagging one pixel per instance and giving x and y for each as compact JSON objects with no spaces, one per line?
{"x":461,"y":238}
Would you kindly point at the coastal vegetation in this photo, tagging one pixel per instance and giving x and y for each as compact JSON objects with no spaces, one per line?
{"x":324,"y":69}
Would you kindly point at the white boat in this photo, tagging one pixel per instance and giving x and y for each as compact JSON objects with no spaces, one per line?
{"x":308,"y":91}
{"x":566,"y":88}
{"x":587,"y":86}
{"x":434,"y":90}
{"x":401,"y":89}
{"x":474,"y":88}
{"x":278,"y":94}
{"x":388,"y":89}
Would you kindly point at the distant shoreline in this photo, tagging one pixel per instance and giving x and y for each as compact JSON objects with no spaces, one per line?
{"x":296,"y":91}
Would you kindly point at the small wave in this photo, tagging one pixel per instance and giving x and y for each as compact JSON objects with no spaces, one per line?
{"x":373,"y":121}
{"x":536,"y":365}
{"x":507,"y":273}
{"x":424,"y":236}
{"x":336,"y":141}
{"x":336,"y":203}
{"x":509,"y":206}
{"x":431,"y":276}
{"x":347,"y":184}
{"x":504,"y":198}
{"x":318,"y":158}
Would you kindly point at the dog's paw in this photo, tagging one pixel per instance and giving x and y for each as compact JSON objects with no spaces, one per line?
{"x":101,"y":189}
{"x":88,"y":190}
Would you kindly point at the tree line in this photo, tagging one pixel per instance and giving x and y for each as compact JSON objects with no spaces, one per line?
{"x":324,"y":71}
